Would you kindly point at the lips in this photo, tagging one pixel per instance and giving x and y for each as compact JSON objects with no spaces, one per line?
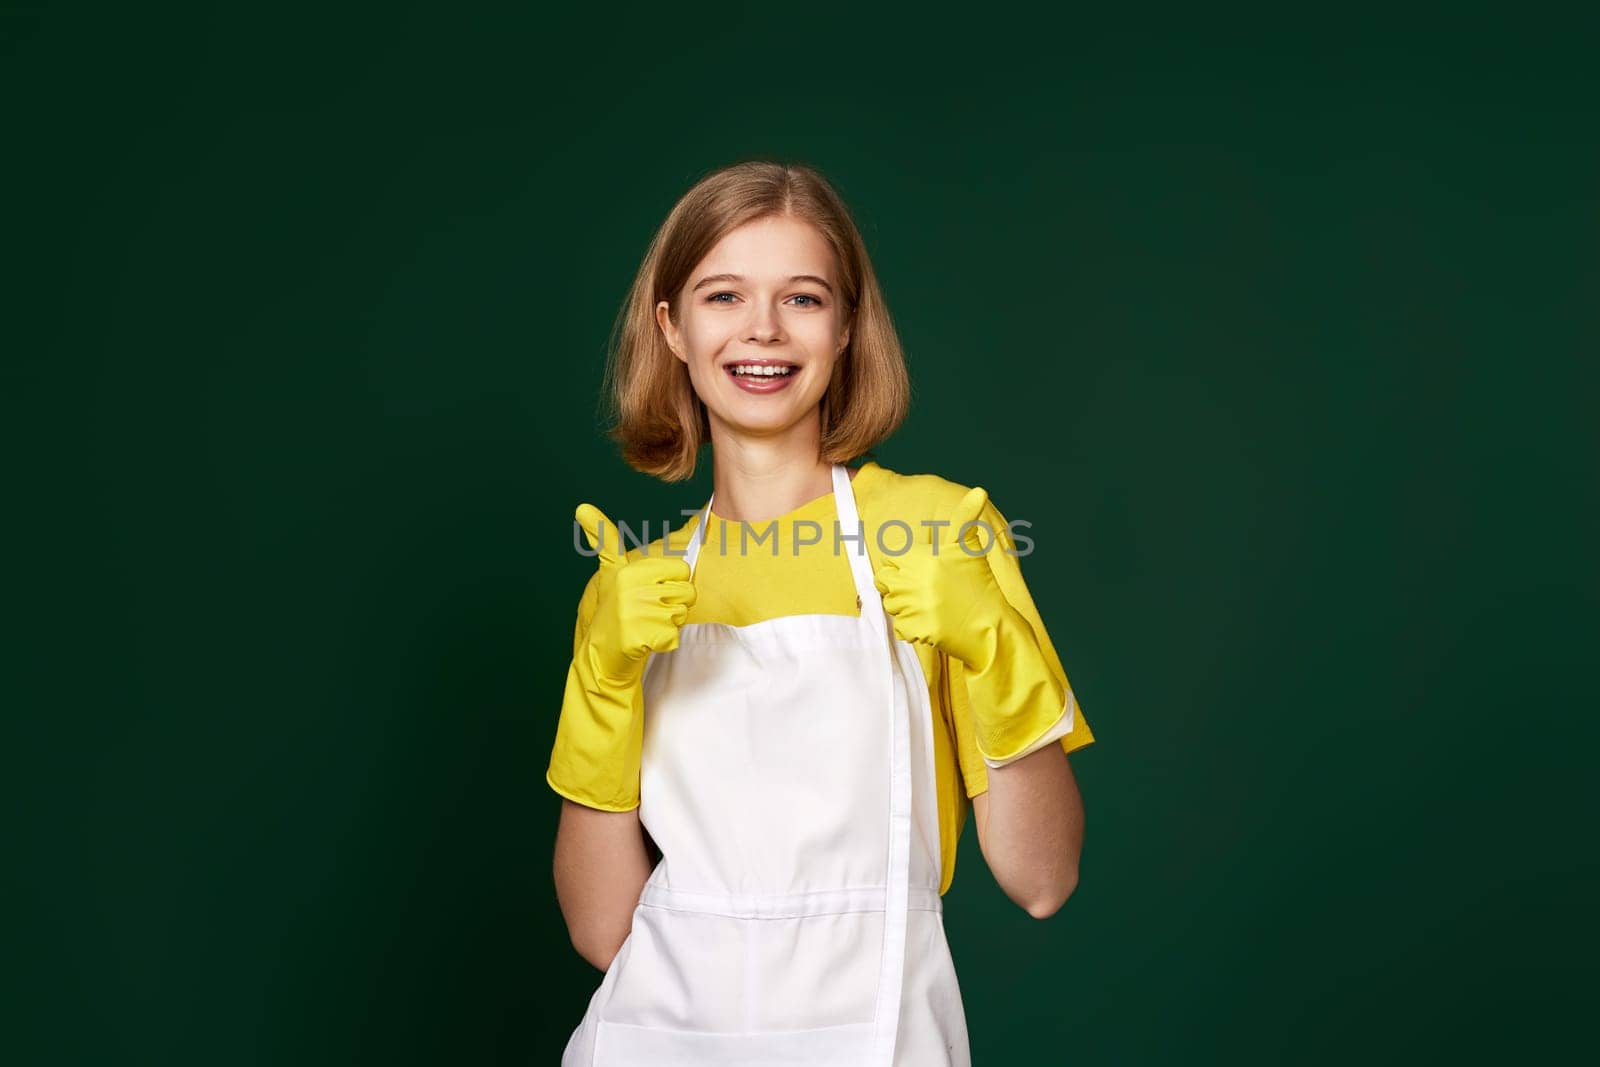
{"x":761,"y":375}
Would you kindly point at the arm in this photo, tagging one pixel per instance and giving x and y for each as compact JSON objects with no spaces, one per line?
{"x":602,"y":853}
{"x":602,"y":862}
{"x":1028,"y":808}
{"x":1030,"y":829}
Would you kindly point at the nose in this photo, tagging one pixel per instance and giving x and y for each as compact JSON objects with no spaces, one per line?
{"x":764,"y":326}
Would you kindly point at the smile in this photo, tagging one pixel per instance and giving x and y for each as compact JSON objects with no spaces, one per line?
{"x":761,"y":376}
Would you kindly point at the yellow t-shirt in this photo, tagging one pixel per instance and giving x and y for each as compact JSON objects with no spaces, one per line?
{"x":769,"y":579}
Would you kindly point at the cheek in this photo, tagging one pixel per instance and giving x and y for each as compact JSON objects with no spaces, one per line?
{"x":821,"y":335}
{"x":706,"y":334}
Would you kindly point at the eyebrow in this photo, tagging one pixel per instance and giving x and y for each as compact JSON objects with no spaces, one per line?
{"x":712,"y":279}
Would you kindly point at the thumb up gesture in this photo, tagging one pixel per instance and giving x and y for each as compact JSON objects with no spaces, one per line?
{"x":942,"y":592}
{"x":641,"y":602}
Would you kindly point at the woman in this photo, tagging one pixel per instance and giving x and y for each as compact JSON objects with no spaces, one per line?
{"x":775,"y":714}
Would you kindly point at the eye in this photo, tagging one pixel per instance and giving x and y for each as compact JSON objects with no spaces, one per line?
{"x":712,"y":299}
{"x":807,"y":296}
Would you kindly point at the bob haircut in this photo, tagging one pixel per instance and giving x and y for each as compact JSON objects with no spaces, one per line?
{"x":656,"y":419}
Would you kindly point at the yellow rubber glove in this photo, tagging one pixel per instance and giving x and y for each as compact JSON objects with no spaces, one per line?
{"x":640,"y":604}
{"x":943,"y":594}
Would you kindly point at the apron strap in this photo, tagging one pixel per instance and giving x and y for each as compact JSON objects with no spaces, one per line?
{"x":855,"y":549}
{"x":692,"y":553}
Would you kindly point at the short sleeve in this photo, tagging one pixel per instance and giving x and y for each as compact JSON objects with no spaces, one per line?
{"x":1072,"y":730}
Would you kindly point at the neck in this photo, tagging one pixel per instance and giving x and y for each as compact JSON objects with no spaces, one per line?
{"x":759,"y":478}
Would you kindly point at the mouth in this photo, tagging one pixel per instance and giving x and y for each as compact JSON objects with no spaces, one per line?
{"x":761,"y":375}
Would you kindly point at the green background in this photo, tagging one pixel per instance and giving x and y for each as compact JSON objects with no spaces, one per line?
{"x":1280,"y":328}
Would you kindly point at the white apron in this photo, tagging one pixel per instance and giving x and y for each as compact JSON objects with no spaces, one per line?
{"x":794,"y":918}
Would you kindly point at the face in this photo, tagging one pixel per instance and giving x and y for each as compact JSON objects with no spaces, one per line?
{"x":760,"y":326}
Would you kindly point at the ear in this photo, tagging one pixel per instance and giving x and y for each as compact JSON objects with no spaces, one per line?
{"x":844,"y":338}
{"x":669,"y":331}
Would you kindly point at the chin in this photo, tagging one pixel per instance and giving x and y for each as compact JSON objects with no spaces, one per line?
{"x":771,"y":424}
{"x":763,"y":418}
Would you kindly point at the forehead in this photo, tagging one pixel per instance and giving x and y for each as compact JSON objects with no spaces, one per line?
{"x":770,"y":247}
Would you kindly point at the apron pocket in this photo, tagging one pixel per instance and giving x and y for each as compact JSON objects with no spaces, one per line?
{"x":722,"y":974}
{"x":620,"y":1045}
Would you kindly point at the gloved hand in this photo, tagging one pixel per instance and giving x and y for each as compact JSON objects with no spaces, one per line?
{"x":640,"y":604}
{"x":942,"y":594}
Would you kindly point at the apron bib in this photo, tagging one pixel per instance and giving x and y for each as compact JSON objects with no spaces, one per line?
{"x":794,"y":918}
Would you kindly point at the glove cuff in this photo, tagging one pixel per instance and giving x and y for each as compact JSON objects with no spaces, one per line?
{"x":599,"y":740}
{"x":1015,"y":695}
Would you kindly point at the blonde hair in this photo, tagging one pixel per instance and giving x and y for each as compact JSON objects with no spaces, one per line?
{"x":656,"y":419}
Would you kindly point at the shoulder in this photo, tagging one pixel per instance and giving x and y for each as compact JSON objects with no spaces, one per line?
{"x":888,"y":495}
{"x":926,"y":494}
{"x":913,"y":497}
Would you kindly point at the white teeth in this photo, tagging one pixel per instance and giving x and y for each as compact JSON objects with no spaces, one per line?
{"x":754,"y":371}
